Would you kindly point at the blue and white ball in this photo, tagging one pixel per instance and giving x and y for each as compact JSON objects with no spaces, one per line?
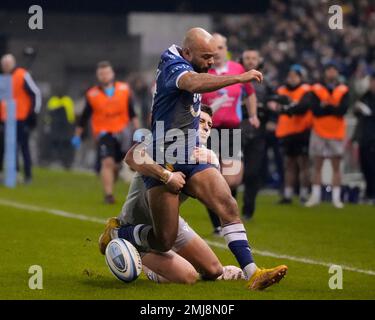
{"x":123,"y":260}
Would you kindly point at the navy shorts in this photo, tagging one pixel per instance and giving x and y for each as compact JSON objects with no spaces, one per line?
{"x":187,"y":169}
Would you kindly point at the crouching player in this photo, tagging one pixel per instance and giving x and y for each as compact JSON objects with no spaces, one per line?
{"x":190,"y":257}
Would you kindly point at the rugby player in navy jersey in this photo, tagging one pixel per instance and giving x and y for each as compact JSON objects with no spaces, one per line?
{"x":181,"y":78}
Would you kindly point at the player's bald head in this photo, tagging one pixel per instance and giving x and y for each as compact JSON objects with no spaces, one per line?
{"x":198,"y":48}
{"x":8,"y":63}
{"x":197,"y":37}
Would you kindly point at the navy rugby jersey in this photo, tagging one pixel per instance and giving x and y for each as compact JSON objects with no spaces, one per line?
{"x":175,"y":108}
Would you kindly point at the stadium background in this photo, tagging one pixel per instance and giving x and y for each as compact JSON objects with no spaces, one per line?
{"x":137,"y":38}
{"x":76,"y":35}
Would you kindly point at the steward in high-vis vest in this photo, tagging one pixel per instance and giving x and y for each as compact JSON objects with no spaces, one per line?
{"x":109,"y":105}
{"x":329,"y":102}
{"x":27,"y":99}
{"x":293,"y":130}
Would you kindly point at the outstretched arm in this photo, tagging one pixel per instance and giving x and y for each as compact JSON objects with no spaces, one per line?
{"x":204,"y":82}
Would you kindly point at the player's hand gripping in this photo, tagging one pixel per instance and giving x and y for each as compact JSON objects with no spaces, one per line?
{"x":251,"y":75}
{"x":175,"y":182}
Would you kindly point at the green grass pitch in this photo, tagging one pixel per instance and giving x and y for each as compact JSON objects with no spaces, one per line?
{"x":66,"y":248}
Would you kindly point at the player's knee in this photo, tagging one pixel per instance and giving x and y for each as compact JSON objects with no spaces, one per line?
{"x":214,"y":270}
{"x":190,"y":276}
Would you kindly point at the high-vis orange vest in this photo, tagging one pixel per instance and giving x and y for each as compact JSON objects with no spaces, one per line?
{"x":21,"y":97}
{"x":110,"y":114}
{"x":289,"y":125}
{"x":330,"y":126}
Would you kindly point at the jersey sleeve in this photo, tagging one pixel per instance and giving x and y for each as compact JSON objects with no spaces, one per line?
{"x":248,"y":88}
{"x":173,"y":73}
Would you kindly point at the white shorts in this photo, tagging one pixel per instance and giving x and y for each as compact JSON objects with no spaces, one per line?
{"x":184,"y":234}
{"x":326,"y":148}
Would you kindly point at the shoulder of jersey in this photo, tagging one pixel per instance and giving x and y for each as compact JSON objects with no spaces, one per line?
{"x":343,"y":87}
{"x":168,"y":56}
{"x":306,"y":87}
{"x":21,"y":69}
{"x":316,"y":86}
{"x":93,"y":91}
{"x":123,"y":86}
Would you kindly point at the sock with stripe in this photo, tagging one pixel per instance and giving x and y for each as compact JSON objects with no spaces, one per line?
{"x":236,"y":239}
{"x":136,"y":234}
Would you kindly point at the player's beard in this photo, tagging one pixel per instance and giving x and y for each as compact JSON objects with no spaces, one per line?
{"x":199,"y":69}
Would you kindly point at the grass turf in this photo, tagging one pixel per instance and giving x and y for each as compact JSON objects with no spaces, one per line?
{"x":73,"y":268}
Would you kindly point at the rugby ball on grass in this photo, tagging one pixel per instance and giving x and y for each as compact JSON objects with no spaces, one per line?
{"x":123,"y":260}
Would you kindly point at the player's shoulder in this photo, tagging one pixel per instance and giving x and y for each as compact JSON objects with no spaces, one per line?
{"x":317,"y":86}
{"x":172,"y":56}
{"x":282,"y":89}
{"x":122,"y":86}
{"x":342,"y":87}
{"x":20,"y":72}
{"x":305,"y":87}
{"x":92,"y":91}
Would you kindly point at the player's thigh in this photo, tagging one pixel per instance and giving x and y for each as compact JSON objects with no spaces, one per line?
{"x":106,"y":150}
{"x":210,"y":187}
{"x":164,"y":211}
{"x":201,"y":256}
{"x":171,"y":266}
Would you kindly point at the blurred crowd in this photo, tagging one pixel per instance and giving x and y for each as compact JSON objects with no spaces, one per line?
{"x":298,"y":32}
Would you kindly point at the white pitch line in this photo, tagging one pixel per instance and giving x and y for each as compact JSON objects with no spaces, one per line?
{"x":55,"y":212}
{"x":83,"y":217}
{"x":297,"y":259}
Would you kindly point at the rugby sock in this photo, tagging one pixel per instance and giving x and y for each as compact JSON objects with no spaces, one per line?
{"x":336,"y":194}
{"x":136,"y":234}
{"x":304,"y":192}
{"x":288,"y":192}
{"x":236,"y":239}
{"x":316,"y":191}
{"x":153,"y":276}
